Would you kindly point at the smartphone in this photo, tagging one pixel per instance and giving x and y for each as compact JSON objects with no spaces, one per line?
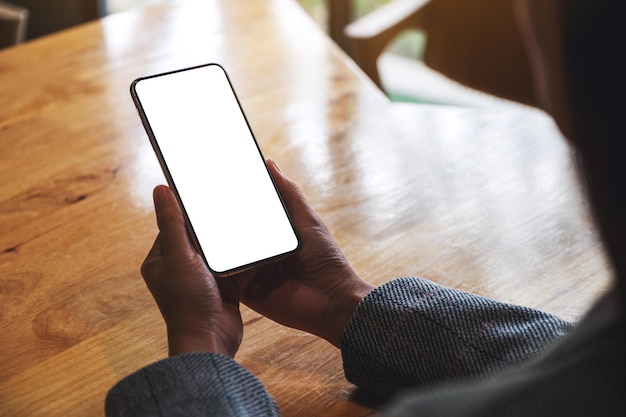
{"x":214,"y":166}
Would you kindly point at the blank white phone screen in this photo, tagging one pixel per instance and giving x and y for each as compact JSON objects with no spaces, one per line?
{"x":216,"y":167}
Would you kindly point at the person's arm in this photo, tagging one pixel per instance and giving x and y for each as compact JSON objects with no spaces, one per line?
{"x":412,"y":332}
{"x":204,"y":330}
{"x":405,"y":333}
{"x":408,"y":332}
{"x":315,"y":290}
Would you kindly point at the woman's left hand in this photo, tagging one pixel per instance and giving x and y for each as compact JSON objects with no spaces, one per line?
{"x":201,"y":313}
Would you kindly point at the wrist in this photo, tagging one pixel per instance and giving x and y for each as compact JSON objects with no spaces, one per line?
{"x":343,"y":310}
{"x":187,"y":339}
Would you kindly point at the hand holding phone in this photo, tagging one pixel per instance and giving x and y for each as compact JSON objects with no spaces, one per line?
{"x":213,"y":163}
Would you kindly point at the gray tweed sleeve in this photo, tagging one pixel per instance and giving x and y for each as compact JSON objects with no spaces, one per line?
{"x":194,"y":384}
{"x":412,"y":332}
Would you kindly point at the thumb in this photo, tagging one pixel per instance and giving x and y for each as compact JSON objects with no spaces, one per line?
{"x":173,"y":232}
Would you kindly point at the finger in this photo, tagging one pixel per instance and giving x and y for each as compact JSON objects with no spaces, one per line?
{"x":297,"y":205}
{"x":173,"y":233}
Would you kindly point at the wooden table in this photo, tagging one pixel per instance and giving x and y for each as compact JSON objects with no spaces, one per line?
{"x":480,"y":199}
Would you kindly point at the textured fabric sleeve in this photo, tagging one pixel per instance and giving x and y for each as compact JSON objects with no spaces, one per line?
{"x":194,"y":384}
{"x":412,"y":332}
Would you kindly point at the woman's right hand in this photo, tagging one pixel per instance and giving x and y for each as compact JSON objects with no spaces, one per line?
{"x":315,"y":289}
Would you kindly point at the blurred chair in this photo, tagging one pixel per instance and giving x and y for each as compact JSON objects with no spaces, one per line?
{"x":48,"y":16}
{"x":474,"y":42}
{"x":13,"y":21}
{"x":339,"y":16}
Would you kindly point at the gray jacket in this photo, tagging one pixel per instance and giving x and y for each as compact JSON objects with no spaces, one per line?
{"x":432,"y":351}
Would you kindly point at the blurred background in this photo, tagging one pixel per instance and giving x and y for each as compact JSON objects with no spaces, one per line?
{"x":385,"y":37}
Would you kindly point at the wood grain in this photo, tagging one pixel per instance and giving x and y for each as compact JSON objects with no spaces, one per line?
{"x":482,"y":200}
